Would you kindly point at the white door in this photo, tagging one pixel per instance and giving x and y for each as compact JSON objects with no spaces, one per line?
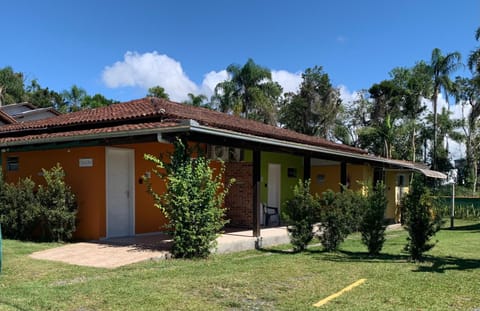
{"x":273,"y":188}
{"x":120,"y":208}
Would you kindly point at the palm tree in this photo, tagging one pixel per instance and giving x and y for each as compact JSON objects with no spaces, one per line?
{"x":441,"y":68}
{"x":195,"y":100}
{"x":74,"y":97}
{"x":474,"y":58}
{"x":250,"y":92}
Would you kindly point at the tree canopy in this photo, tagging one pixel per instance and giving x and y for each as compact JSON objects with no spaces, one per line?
{"x":314,"y":109}
{"x":249,"y":92}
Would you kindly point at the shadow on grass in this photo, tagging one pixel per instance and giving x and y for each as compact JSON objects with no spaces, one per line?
{"x":438,"y":264}
{"x":10,"y":305}
{"x":277,"y":251}
{"x":475,"y":228}
{"x":442,"y":264}
{"x":347,"y":256}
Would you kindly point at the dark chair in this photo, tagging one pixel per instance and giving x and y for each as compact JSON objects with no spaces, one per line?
{"x":269,"y":212}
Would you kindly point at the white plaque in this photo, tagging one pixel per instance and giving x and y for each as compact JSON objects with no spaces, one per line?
{"x":85,"y":162}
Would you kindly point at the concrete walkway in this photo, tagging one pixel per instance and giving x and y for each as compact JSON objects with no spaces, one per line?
{"x":117,"y":252}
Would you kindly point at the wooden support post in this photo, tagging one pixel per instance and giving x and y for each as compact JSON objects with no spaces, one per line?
{"x":256,"y":192}
{"x":343,"y":174}
{"x":307,"y":167}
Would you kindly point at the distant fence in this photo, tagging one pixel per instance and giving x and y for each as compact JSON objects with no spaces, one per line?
{"x":465,"y":207}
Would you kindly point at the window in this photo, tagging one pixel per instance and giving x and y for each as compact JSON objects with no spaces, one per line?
{"x":12,"y":164}
{"x":292,"y":172}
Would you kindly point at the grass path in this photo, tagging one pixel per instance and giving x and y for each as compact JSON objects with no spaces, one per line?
{"x":271,"y":279}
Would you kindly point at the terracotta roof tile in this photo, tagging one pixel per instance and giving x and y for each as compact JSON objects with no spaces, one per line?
{"x":153,"y":110}
{"x":86,"y":132}
{"x":7,"y":118}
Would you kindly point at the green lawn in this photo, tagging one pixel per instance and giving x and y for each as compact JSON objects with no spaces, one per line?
{"x":256,"y":280}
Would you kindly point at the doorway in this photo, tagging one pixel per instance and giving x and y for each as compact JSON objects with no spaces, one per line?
{"x":120,"y":192}
{"x":273,"y":190}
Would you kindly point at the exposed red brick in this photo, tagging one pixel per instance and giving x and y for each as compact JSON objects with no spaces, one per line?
{"x":239,"y":198}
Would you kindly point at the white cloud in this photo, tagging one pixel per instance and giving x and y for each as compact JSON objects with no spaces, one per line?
{"x":210,"y":81}
{"x":289,"y":81}
{"x":147,"y":70}
{"x":347,"y":97}
{"x":152,"y":69}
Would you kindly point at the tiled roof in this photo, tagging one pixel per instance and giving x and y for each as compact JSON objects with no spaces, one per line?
{"x":124,"y":128}
{"x":153,"y":110}
{"x":6,"y":118}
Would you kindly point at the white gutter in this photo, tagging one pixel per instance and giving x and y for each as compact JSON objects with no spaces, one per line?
{"x":194,"y":126}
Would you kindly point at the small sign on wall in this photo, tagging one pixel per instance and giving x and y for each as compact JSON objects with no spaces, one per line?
{"x":85,"y":162}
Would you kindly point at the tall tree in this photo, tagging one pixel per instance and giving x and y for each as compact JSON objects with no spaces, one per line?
{"x":474,"y":57}
{"x":315,"y":108}
{"x":467,"y":93}
{"x":158,"y":91}
{"x":446,"y":127}
{"x":442,"y":66}
{"x":12,"y":89}
{"x":43,"y":97}
{"x":415,"y":85}
{"x":380,"y":134}
{"x":249,"y":92}
{"x":73,"y":98}
{"x":195,"y":100}
{"x":95,"y":101}
{"x":355,"y":116}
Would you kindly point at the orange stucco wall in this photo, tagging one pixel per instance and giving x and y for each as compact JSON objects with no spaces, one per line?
{"x":149,"y":218}
{"x":88,"y":183}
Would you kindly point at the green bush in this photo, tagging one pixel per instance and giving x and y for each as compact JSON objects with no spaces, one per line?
{"x":19,"y":209}
{"x":338,"y":217}
{"x":301,"y":213}
{"x":421,"y":222}
{"x":25,"y":212}
{"x":59,"y":208}
{"x":373,"y":222}
{"x":192,"y":202}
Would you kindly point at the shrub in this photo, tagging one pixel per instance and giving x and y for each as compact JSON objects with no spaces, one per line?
{"x":338,"y":217}
{"x":420,"y":220}
{"x":19,"y":209}
{"x":51,"y":210}
{"x":301,"y":212}
{"x":373,"y":222}
{"x":192,"y":201}
{"x":59,"y":208}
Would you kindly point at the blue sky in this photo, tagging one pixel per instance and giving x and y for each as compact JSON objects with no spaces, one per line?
{"x":121,"y":47}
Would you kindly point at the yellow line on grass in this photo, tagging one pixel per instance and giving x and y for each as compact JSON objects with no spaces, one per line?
{"x":346,"y":289}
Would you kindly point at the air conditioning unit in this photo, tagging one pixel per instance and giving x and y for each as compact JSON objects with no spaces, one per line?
{"x":235,"y":154}
{"x":218,"y":152}
{"x":227,"y":154}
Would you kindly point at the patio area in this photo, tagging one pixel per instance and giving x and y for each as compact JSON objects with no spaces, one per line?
{"x":117,"y":252}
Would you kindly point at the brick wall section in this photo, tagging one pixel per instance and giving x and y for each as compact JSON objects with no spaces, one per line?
{"x":240,"y":198}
